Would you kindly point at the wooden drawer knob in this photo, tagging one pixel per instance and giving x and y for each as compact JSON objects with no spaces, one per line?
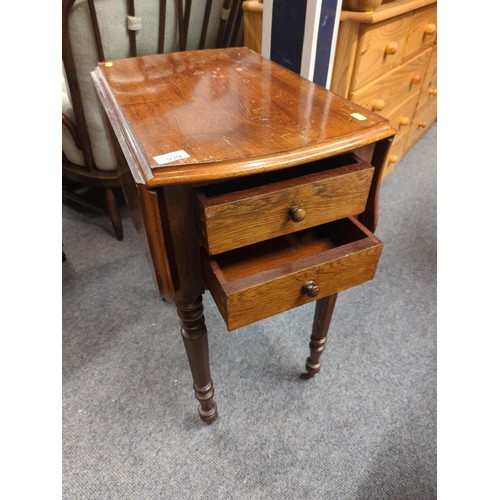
{"x":378,"y":105}
{"x":297,"y":214}
{"x":404,"y":120}
{"x":393,"y":159}
{"x":416,"y":78}
{"x":391,"y":48}
{"x":432,"y":91}
{"x":311,"y":289}
{"x":430,"y":29}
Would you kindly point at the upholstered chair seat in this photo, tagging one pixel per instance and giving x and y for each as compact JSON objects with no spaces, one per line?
{"x":104,"y":30}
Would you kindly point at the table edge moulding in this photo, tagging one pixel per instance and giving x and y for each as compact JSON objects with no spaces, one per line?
{"x":215,"y":140}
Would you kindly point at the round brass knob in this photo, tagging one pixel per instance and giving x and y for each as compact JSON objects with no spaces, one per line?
{"x":430,"y":29}
{"x":416,"y":78}
{"x":404,"y":120}
{"x":391,"y":48}
{"x":311,"y":289}
{"x":297,"y":214}
{"x":432,"y":91}
{"x":378,"y":105}
{"x":393,"y":159}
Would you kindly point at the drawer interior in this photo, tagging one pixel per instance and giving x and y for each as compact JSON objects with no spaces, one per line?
{"x":266,"y":278}
{"x":270,"y":178}
{"x":288,"y":249}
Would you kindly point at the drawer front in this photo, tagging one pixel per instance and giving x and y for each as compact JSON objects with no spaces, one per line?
{"x":381,"y":48}
{"x":428,"y":95}
{"x":396,"y":152}
{"x":423,"y":30}
{"x":402,"y":116}
{"x":233,"y":219}
{"x":432,"y":67}
{"x":270,"y":278}
{"x":423,"y":119}
{"x":385,"y":94}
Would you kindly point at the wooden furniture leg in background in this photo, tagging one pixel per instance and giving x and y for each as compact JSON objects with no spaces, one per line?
{"x":322,"y":317}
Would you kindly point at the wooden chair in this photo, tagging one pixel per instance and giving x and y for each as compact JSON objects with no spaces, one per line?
{"x":103,"y":30}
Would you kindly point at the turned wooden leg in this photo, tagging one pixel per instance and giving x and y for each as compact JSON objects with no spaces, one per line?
{"x":114,"y":213}
{"x":194,"y":335}
{"x":322,"y":317}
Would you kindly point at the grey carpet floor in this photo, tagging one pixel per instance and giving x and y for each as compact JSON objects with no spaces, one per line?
{"x":364,"y":428}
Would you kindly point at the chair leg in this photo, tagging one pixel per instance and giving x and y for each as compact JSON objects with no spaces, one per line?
{"x":322,"y":317}
{"x":114,"y":213}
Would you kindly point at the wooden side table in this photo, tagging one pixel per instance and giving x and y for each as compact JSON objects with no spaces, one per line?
{"x":249,"y":181}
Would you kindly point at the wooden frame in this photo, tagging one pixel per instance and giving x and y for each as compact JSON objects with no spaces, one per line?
{"x":88,"y":174}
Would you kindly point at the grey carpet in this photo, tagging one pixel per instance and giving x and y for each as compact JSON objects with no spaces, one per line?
{"x":364,"y":428}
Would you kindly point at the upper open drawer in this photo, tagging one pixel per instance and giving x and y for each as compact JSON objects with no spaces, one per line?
{"x":247,"y":210}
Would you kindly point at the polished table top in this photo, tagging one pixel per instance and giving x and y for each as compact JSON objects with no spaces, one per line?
{"x":212,"y":114}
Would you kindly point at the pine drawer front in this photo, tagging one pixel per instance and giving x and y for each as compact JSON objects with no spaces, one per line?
{"x":396,"y":152}
{"x":423,"y":30}
{"x":429,"y":88}
{"x":239,"y":213}
{"x":267,"y":278}
{"x":385,"y":94}
{"x":423,"y":119}
{"x":402,"y":116}
{"x":381,"y":48}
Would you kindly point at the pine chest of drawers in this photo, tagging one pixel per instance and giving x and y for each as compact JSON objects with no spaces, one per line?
{"x":386,"y":61}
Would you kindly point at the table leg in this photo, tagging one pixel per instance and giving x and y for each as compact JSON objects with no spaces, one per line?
{"x":322,"y":317}
{"x":194,"y":335}
{"x":177,"y":206}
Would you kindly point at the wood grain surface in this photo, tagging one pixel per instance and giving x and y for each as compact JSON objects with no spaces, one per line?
{"x":237,"y":218}
{"x":232,"y":111}
{"x":381,"y":47}
{"x":385,"y":11}
{"x":423,"y":30}
{"x":395,"y":86}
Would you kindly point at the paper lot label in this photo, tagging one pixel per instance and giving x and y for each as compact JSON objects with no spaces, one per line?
{"x":170,"y":157}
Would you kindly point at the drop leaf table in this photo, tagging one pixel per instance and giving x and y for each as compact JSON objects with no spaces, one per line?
{"x":246,"y":180}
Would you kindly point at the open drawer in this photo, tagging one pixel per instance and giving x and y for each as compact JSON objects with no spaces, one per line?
{"x":236,"y":213}
{"x":258,"y":281}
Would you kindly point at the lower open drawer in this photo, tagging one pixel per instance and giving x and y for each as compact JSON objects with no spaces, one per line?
{"x":260,"y":280}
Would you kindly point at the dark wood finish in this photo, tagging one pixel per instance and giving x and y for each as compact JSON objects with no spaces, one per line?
{"x":131,"y":33}
{"x":114,"y":213}
{"x":204,"y":27}
{"x":265,"y":133}
{"x":224,"y":16}
{"x":257,"y":116}
{"x":258,"y":281}
{"x":322,"y":317}
{"x":145,"y":211}
{"x":184,"y":255}
{"x":72,"y":129}
{"x":236,"y":26}
{"x":231,"y":220}
{"x":194,"y":336}
{"x":370,"y":216}
{"x":185,"y":20}
{"x":162,"y":24}
{"x":97,"y":31}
